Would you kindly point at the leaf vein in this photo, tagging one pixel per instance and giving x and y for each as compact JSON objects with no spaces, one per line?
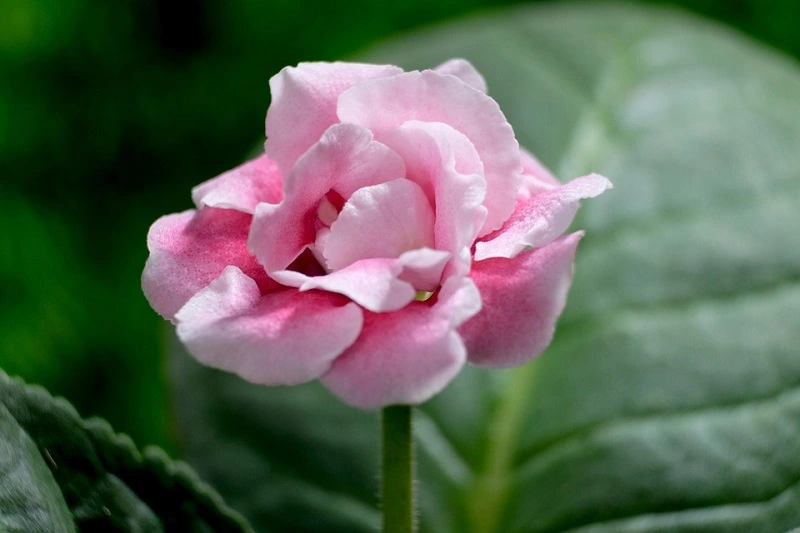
{"x":757,"y":502}
{"x":535,"y":453}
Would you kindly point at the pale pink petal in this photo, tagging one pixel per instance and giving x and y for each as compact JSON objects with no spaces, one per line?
{"x":540,"y":219}
{"x":444,"y":162}
{"x":304,"y":104}
{"x":373,"y":284}
{"x":423,"y":268}
{"x":189,"y":250}
{"x":382,"y":220}
{"x":431,"y":149}
{"x":384,"y":104}
{"x":536,"y":177}
{"x":378,"y":284}
{"x":345,"y":159}
{"x":283,"y":338}
{"x":280,"y":233}
{"x":463,"y":70}
{"x":407,"y":356}
{"x":243,"y":187}
{"x":522,"y":300}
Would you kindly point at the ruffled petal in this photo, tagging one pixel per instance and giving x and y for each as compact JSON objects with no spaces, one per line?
{"x":540,"y":219}
{"x":304,"y":104}
{"x":243,"y":187}
{"x":189,"y":250}
{"x":345,"y":159}
{"x":379,"y":284}
{"x":423,"y":268}
{"x":446,"y":165}
{"x":382,"y":220}
{"x":463,"y":70}
{"x":284,"y":338}
{"x":373,"y":284}
{"x":407,"y":356}
{"x":522,"y":300}
{"x":384,"y":104}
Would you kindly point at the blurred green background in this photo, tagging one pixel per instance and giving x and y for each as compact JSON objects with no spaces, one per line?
{"x":110,"y":112}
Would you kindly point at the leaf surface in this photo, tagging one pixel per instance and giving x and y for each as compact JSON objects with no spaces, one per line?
{"x":60,"y":473}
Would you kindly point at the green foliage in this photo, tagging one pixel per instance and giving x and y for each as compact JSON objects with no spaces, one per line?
{"x":59,"y":473}
{"x":668,"y":401}
{"x":41,"y":317}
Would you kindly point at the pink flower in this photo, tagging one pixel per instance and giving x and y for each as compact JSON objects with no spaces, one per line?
{"x":392,"y":231}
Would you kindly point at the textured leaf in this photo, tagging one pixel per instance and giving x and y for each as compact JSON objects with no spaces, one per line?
{"x":60,"y":473}
{"x":669,"y":400}
{"x":29,"y":495}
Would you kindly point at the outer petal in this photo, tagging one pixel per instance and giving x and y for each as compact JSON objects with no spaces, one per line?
{"x":284,"y":338}
{"x":540,"y":219}
{"x":243,"y":187}
{"x":383,"y":105}
{"x":463,"y":70}
{"x":444,"y":162}
{"x":523,"y":297}
{"x":382,"y":220}
{"x":189,"y":250}
{"x":344,"y":160}
{"x":407,"y":356}
{"x":304,"y":104}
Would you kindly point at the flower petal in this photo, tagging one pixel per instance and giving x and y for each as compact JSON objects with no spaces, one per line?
{"x":536,"y":177}
{"x":304,"y":104}
{"x":243,"y":187}
{"x":345,"y":159}
{"x":284,"y":338}
{"x":373,"y":284}
{"x":384,"y":104}
{"x":189,"y":250}
{"x":541,"y":218}
{"x":407,"y":356}
{"x":463,"y":70}
{"x":423,"y":268}
{"x":379,"y":284}
{"x":523,"y":298}
{"x":445,"y":164}
{"x":382,"y":220}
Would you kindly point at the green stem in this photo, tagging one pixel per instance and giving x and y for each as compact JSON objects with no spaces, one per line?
{"x":397,"y":481}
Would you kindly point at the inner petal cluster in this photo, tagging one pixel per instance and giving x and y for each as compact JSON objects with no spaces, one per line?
{"x":383,"y":220}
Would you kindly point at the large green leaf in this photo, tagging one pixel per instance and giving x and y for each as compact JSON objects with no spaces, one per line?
{"x":669,"y":399}
{"x":59,"y":473}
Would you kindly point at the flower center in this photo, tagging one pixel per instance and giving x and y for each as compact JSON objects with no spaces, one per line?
{"x":329,"y":208}
{"x":423,"y":296}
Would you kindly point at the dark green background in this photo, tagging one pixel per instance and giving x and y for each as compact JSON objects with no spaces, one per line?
{"x":110,"y":112}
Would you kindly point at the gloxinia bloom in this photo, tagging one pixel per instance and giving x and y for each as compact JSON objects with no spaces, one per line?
{"x":392,"y":231}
